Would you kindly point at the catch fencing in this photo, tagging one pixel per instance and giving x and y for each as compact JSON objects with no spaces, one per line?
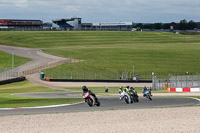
{"x":9,"y":74}
{"x":185,"y":81}
{"x":176,"y":81}
{"x":160,"y":84}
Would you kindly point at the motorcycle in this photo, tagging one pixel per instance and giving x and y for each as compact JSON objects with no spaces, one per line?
{"x":126,"y":96}
{"x":134,"y":96}
{"x":91,"y":100}
{"x":148,"y":95}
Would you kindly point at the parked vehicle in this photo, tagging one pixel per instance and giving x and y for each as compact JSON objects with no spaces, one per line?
{"x":91,"y":100}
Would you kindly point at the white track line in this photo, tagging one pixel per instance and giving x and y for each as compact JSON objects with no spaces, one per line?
{"x":194,"y":98}
{"x":41,"y":107}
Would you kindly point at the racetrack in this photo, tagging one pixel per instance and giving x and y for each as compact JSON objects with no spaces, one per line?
{"x":112,"y":116}
{"x":107,"y":103}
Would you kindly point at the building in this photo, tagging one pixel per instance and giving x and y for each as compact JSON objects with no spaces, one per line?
{"x":76,"y":24}
{"x":114,"y":26}
{"x":20,"y":24}
{"x":67,"y":24}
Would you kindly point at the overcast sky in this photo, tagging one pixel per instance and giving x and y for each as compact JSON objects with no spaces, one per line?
{"x":146,"y":11}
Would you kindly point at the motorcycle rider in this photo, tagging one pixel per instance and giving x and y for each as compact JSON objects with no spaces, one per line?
{"x":131,"y":88}
{"x":85,"y":90}
{"x":145,"y":89}
{"x":128,"y":88}
{"x":121,"y":92}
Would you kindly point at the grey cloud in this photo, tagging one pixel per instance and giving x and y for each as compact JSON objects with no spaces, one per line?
{"x":103,"y":10}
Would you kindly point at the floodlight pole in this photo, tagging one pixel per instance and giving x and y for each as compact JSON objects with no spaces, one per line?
{"x":13,"y":59}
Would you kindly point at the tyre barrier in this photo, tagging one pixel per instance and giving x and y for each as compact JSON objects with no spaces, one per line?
{"x":8,"y":81}
{"x":183,"y":89}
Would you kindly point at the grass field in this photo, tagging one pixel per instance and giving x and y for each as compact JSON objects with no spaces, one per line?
{"x":114,"y":51}
{"x":198,"y":97}
{"x":6,"y":60}
{"x":10,"y":101}
{"x":112,"y":89}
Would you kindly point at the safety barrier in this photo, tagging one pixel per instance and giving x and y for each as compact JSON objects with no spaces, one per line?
{"x":183,"y":89}
{"x":97,"y":80}
{"x":13,"y":80}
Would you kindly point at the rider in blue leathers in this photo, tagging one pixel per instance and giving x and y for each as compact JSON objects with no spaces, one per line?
{"x":145,"y":89}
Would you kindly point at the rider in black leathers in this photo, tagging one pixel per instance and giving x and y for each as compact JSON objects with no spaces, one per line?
{"x":85,"y":89}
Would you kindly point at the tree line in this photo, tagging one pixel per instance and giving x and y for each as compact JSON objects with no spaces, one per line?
{"x":182,"y":25}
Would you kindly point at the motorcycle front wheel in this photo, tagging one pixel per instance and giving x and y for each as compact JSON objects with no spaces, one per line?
{"x":132,"y":99}
{"x":149,"y":97}
{"x":97,"y":103}
{"x":126,"y":99}
{"x":89,"y":102}
{"x":136,"y":99}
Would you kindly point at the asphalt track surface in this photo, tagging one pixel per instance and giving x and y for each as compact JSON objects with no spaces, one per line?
{"x":107,"y":103}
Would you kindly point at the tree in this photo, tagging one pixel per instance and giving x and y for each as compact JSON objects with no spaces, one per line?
{"x":198,"y":25}
{"x":175,"y":25}
{"x":183,"y":24}
{"x":157,"y":26}
{"x":148,"y":26}
{"x":191,"y":25}
{"x":166,"y":26}
{"x":139,"y":25}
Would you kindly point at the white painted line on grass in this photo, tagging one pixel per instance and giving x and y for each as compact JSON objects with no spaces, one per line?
{"x":41,"y":107}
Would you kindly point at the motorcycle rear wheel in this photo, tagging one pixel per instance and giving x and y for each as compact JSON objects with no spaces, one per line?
{"x":98,"y":103}
{"x":150,"y":98}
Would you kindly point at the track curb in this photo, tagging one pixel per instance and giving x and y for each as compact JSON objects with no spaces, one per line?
{"x":41,"y":107}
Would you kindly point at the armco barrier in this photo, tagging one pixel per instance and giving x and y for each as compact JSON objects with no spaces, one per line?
{"x":87,"y":80}
{"x":183,"y":89}
{"x":22,"y":78}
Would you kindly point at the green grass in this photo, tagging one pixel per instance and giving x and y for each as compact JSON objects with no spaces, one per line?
{"x":44,"y":39}
{"x":111,"y":52}
{"x":190,"y":33}
{"x":10,"y":101}
{"x":111,"y":89}
{"x":6,"y":60}
{"x":195,"y":97}
{"x":93,"y":88}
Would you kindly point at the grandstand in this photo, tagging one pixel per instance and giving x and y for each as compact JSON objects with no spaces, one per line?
{"x":67,"y":24}
{"x":20,"y":24}
{"x":76,"y":24}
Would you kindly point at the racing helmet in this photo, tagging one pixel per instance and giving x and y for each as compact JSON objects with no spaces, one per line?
{"x":84,"y":87}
